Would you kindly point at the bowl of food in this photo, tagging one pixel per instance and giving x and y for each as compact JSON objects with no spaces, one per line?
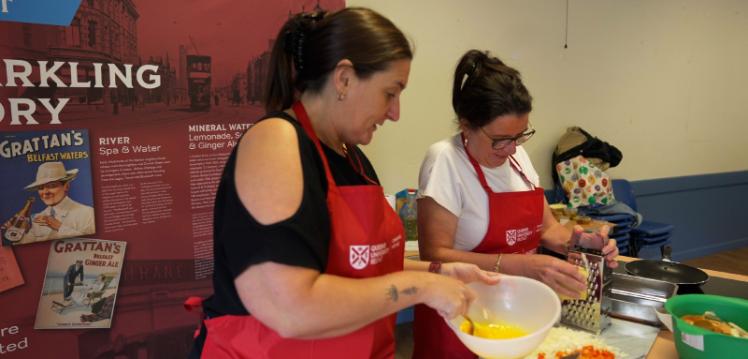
{"x":509,"y":319}
{"x":709,"y":326}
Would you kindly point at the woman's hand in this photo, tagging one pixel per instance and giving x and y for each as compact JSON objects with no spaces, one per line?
{"x":597,"y":240}
{"x":610,"y":251}
{"x":563,"y":277}
{"x":468,"y":273}
{"x":448,"y":296}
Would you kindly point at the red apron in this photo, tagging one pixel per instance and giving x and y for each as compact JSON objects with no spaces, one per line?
{"x":366,"y":241}
{"x":514,"y":224}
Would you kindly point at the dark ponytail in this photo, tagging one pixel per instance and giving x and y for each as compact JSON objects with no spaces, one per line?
{"x":286,"y":60}
{"x":485,"y":88}
{"x":310,"y":45}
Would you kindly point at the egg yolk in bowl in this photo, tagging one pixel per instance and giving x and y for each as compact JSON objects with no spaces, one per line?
{"x":493,"y":330}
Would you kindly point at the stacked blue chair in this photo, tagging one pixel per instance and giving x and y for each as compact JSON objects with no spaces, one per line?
{"x":649,"y":235}
{"x":623,"y":223}
{"x":621,"y":231}
{"x":642,"y":240}
{"x":555,"y":195}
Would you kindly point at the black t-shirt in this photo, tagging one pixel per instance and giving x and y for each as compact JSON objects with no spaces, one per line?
{"x":301,"y":240}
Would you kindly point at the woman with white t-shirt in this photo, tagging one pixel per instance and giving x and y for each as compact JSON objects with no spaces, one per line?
{"x":480,"y":199}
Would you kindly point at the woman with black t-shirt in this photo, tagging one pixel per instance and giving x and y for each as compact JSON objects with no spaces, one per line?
{"x":308,"y":253}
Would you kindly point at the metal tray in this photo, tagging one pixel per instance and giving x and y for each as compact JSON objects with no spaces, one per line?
{"x":636,"y":298}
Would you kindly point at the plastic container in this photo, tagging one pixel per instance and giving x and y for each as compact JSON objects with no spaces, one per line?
{"x":409,"y":215}
{"x":525,"y":302}
{"x":694,"y":342}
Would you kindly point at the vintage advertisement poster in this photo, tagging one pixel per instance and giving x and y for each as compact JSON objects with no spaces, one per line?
{"x":80,"y":285}
{"x":47,"y":192}
{"x":10,"y":274}
{"x":160,"y":92}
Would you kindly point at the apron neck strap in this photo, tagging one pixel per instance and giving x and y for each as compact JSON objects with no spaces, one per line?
{"x":356,"y":163}
{"x":303,"y":118}
{"x":482,"y":178}
{"x":515,"y":164}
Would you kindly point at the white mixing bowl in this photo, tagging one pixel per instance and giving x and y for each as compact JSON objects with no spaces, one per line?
{"x":520,"y":301}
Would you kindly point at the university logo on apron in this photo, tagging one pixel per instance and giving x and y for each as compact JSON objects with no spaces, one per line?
{"x":514,"y":236}
{"x":359,"y":256}
{"x":511,"y":236}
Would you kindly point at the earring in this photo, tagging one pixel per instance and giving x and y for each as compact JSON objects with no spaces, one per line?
{"x":341,"y":96}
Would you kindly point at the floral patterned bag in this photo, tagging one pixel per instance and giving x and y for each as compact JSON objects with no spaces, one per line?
{"x":584,"y":183}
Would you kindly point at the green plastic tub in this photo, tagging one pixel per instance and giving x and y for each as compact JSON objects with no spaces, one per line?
{"x":695,"y":342}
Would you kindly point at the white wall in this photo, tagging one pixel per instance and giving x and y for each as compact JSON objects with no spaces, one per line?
{"x":664,"y":81}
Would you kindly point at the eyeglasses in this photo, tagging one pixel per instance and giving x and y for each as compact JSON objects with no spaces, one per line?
{"x":499,"y":143}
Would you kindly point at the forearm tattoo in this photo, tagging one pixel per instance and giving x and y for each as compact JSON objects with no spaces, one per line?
{"x":394,"y":294}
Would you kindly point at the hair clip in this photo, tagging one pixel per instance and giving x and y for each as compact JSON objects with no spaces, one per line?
{"x":464,"y":79}
{"x":467,"y":75}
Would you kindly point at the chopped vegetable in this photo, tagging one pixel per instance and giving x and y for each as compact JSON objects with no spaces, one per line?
{"x":563,"y":342}
{"x":587,"y":352}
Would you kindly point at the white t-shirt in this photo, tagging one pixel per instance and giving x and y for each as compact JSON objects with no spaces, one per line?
{"x":447,"y":176}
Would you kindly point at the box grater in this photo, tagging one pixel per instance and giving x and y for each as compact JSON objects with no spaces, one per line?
{"x":590,"y":314}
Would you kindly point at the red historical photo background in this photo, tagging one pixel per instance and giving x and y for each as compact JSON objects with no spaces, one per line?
{"x":156,"y":153}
